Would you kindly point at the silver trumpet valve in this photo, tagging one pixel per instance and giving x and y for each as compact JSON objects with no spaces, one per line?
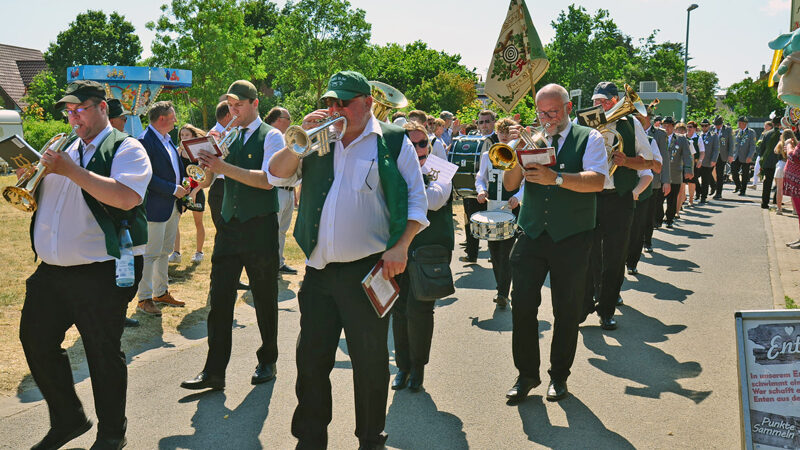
{"x":316,"y":140}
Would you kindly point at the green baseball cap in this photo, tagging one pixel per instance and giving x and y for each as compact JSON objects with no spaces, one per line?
{"x":241,"y":90}
{"x":79,"y":91}
{"x":346,"y":85}
{"x":114,"y":108}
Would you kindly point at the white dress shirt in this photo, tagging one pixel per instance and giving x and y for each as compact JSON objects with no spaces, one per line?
{"x":65,"y":232}
{"x":438,"y":193}
{"x":438,"y":146}
{"x":486,"y":170}
{"x":594,"y":158}
{"x":656,"y":152}
{"x":172,"y":152}
{"x":643,"y":148}
{"x":701,"y":147}
{"x":273,"y":142}
{"x":355,"y":219}
{"x":219,"y":128}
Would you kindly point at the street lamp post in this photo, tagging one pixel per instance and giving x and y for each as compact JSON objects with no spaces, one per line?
{"x":686,"y":60}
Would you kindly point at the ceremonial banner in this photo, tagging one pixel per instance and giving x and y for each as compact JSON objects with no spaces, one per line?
{"x":518,"y":61}
{"x":795,"y":18}
{"x":768,"y":350}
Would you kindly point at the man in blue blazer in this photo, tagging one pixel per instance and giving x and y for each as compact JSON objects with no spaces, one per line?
{"x":161,"y":205}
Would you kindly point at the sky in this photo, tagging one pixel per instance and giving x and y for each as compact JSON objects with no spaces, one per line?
{"x":728,"y":37}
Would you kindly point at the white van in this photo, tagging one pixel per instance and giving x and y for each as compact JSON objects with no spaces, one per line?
{"x":10,"y":123}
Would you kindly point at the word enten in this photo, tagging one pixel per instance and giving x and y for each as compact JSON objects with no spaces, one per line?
{"x":777,"y":347}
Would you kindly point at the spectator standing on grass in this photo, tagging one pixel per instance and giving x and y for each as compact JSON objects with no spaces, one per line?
{"x":198,"y":197}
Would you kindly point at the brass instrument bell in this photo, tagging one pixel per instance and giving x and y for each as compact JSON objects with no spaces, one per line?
{"x":386,"y":98}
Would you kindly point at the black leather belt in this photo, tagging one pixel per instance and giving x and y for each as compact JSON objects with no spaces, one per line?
{"x":608,"y":191}
{"x":287,"y":188}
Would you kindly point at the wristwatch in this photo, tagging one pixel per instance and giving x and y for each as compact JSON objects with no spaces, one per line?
{"x":559,"y":180}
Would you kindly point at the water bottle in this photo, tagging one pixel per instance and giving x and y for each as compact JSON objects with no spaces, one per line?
{"x":125,"y":271}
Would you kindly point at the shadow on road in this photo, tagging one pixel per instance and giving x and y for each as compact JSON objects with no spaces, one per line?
{"x":414,"y":421}
{"x":636,"y":360}
{"x":672,"y":264}
{"x":659,"y":289}
{"x":584,"y":430}
{"x":501,"y":321}
{"x":216,"y":426}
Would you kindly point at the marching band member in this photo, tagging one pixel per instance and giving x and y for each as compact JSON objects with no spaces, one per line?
{"x":661,"y":185}
{"x":487,"y":182}
{"x":98,"y":181}
{"x":557,"y":218}
{"x":412,"y":319}
{"x":711,"y":144}
{"x":364,"y":202}
{"x":725,"y":135}
{"x":680,"y":165}
{"x":246,"y":238}
{"x":744,"y":148}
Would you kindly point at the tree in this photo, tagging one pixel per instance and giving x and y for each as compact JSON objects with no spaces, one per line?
{"x":313,"y":40}
{"x":701,"y":86}
{"x":752,"y":98}
{"x":446,"y":91}
{"x":42,"y":95}
{"x":210,"y":38}
{"x":93,"y":38}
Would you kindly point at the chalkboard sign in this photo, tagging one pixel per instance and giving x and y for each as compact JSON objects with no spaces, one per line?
{"x":768,"y":353}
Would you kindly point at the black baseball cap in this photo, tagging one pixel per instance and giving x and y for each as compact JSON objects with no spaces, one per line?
{"x":79,"y":91}
{"x":114,"y":108}
{"x":606,"y":90}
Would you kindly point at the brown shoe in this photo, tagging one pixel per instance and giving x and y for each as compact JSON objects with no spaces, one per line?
{"x":168,"y":300}
{"x":148,"y":307}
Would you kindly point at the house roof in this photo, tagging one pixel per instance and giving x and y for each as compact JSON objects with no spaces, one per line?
{"x":18,"y":66}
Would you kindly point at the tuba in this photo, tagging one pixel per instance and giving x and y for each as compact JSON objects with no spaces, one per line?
{"x":504,"y":156}
{"x":229,"y":136}
{"x":629,"y":104}
{"x":316,"y":140}
{"x":386,"y":98}
{"x":22,"y":196}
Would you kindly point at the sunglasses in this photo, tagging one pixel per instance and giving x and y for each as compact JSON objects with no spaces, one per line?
{"x":329,"y":102}
{"x":421,"y":144}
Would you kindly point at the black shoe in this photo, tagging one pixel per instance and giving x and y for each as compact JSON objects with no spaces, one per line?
{"x":415,"y":379}
{"x":557,"y":391}
{"x":205,"y":381}
{"x":521,"y":387}
{"x":742,"y":194}
{"x":264,"y":373}
{"x":619,"y":301}
{"x":764,"y":206}
{"x":648,"y":249}
{"x":608,"y":323}
{"x":501,"y":300}
{"x":109,"y":443}
{"x":703,"y":201}
{"x":129,"y":323}
{"x":286,"y":269}
{"x":467,"y":259}
{"x":669,"y":225}
{"x":57,"y":437}
{"x":376,"y":443}
{"x":587,"y":312}
{"x":736,"y":190}
{"x":717,"y":197}
{"x":400,"y":381}
{"x":633,"y":271}
{"x":242,"y":287}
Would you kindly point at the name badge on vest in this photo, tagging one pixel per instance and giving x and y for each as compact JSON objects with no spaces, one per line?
{"x":561,"y":166}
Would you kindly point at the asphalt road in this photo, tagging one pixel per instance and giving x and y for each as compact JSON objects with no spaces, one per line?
{"x":665,"y":379}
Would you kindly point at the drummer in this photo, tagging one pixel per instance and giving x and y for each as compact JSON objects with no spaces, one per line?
{"x":488,"y":188}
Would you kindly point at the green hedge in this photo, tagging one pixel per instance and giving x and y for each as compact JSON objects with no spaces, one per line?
{"x":38,"y":132}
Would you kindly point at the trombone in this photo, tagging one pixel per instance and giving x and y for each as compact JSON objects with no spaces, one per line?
{"x":23,"y":195}
{"x":229,"y":136}
{"x":316,"y":140}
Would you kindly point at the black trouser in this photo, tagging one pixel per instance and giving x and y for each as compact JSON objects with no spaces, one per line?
{"x":567,"y":261}
{"x":501,"y":264}
{"x":609,"y":251}
{"x":658,"y":208}
{"x":720,"y":168}
{"x":471,"y":206}
{"x":705,"y":177}
{"x":766,"y":192}
{"x":672,"y":201}
{"x":656,"y":205}
{"x":215,"y":194}
{"x":642,"y":215}
{"x":412,"y":326}
{"x":261,"y":263}
{"x":744,"y":167}
{"x":87,"y":296}
{"x":331,"y":299}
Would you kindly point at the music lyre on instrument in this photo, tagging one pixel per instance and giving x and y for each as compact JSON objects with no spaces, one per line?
{"x":385,"y":98}
{"x":316,"y":140}
{"x":229,"y":136}
{"x":22,"y":195}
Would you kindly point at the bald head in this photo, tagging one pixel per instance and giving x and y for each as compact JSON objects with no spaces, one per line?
{"x":553,"y":90}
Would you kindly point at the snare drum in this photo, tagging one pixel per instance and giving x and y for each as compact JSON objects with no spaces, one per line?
{"x":493,"y":225}
{"x":465,"y":152}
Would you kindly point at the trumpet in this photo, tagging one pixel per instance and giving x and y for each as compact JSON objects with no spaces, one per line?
{"x":229,"y":136}
{"x":316,"y":140}
{"x":23,"y":195}
{"x":386,"y":98}
{"x":504,"y":156}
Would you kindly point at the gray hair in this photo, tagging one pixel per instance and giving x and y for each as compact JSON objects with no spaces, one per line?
{"x":159,"y":109}
{"x":553,"y":90}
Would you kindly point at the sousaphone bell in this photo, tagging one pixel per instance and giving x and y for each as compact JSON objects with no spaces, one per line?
{"x":386,"y":98}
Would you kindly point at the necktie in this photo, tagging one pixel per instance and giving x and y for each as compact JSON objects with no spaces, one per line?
{"x":556,"y":137}
{"x":80,"y":152}
{"x":242,"y":132}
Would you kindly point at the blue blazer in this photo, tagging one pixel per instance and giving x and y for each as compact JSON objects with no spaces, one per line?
{"x":159,"y":200}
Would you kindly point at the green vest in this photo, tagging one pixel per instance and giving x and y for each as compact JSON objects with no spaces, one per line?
{"x":240,"y":200}
{"x":625,"y":178}
{"x":108,"y":217}
{"x":440,"y":231}
{"x":318,"y":178}
{"x":561,"y":212}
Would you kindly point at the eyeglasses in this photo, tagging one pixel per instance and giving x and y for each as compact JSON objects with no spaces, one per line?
{"x":421,"y":144}
{"x":552,"y":114}
{"x":481,"y":122}
{"x":72,"y":112}
{"x":329,"y":102}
